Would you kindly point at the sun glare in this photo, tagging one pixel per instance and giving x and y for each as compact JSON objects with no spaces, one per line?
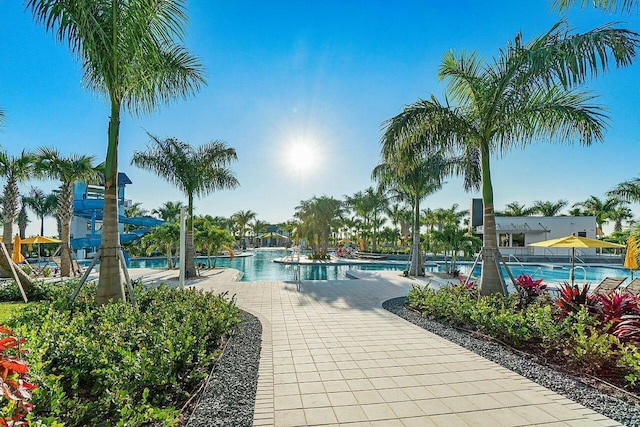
{"x":302,"y":157}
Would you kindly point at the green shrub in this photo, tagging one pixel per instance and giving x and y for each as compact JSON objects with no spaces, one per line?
{"x":630,"y":362}
{"x":27,"y":270}
{"x":41,"y":291}
{"x":118,"y":364}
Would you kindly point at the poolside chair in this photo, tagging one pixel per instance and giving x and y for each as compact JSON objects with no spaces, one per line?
{"x":633,"y":287}
{"x":608,"y":284}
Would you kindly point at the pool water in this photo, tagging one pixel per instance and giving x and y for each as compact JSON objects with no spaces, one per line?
{"x":557,"y":272}
{"x":261,"y":268}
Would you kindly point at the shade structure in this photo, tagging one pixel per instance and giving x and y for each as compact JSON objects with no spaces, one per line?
{"x":574,"y":242}
{"x":36,"y":240}
{"x":16,"y":256}
{"x":631,"y":258}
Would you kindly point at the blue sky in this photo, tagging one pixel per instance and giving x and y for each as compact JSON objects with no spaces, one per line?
{"x":322,"y":73}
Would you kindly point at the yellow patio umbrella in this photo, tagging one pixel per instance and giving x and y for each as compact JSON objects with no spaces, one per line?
{"x":38,"y":240}
{"x":16,"y":256}
{"x":631,"y":258}
{"x":574,"y":242}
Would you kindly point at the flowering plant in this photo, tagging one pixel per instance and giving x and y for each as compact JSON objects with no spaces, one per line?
{"x":13,"y":379}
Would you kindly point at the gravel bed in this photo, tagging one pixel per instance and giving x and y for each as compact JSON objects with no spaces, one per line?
{"x":564,"y":384}
{"x":230,"y":394}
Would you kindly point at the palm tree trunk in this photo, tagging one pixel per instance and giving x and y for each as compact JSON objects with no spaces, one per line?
{"x":169,"y":256}
{"x":65,"y":254}
{"x":109,"y":285}
{"x":189,"y":256}
{"x":9,"y":211}
{"x":65,"y":213}
{"x":415,"y":268}
{"x":491,"y":278}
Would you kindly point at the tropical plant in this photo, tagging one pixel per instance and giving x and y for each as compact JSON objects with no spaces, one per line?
{"x":195,"y":171}
{"x":627,"y":6}
{"x":163,"y":238}
{"x":620,"y":215}
{"x":129,"y":53}
{"x":572,"y":298}
{"x":414,"y":177}
{"x":43,"y":205}
{"x":15,"y":170}
{"x":528,"y":93}
{"x":547,"y":208}
{"x":318,"y":216}
{"x":242,"y":219}
{"x":529,"y":289}
{"x":516,"y":209}
{"x":455,"y":240}
{"x":599,"y":208}
{"x":212,"y":239}
{"x":169,"y":211}
{"x":67,"y":170}
{"x":15,"y":384}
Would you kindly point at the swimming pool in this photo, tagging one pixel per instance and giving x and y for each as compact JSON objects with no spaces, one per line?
{"x":261,"y":268}
{"x":556,"y":272}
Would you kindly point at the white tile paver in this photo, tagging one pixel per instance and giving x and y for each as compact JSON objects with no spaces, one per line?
{"x":331,"y":355}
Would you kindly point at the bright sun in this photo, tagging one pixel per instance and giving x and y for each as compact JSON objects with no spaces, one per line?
{"x":302,"y":157}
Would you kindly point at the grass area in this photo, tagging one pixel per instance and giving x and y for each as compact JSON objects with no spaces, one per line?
{"x":9,"y":308}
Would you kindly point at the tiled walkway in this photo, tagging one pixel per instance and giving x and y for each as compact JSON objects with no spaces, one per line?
{"x":332,"y":355}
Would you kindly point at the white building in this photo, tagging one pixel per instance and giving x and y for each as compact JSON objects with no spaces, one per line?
{"x":516,"y":233}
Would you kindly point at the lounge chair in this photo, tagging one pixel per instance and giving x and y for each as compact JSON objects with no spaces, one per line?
{"x":633,"y":287}
{"x":608,"y":284}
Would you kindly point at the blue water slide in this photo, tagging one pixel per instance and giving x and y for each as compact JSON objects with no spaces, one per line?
{"x":94,"y":209}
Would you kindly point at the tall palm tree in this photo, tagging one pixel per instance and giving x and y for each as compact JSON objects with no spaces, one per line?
{"x":242,"y":219}
{"x":600,"y":209}
{"x":165,"y":238}
{"x":257,"y":226}
{"x":169,"y":211}
{"x":43,"y":205}
{"x":548,"y":208}
{"x":416,"y":177}
{"x":15,"y":170}
{"x":68,"y":170}
{"x":526,"y":93}
{"x":130,"y":52}
{"x":195,"y":171}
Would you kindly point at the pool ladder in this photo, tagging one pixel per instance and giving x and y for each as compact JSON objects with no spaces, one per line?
{"x":573,"y":272}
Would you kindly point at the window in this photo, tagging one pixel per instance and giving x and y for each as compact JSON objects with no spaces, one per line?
{"x":503,"y":239}
{"x":517,"y":240}
{"x":582,"y":234}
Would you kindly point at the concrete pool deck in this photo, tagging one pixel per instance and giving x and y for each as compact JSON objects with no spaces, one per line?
{"x":331,"y":355}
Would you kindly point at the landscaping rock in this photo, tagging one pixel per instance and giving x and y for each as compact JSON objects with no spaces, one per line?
{"x":229,"y":396}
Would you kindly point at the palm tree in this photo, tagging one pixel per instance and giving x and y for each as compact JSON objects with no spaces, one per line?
{"x":163,"y":237}
{"x":605,"y":5}
{"x":195,"y":171}
{"x":129,"y":53}
{"x":516,"y":209}
{"x":416,"y":177}
{"x":527,"y":93}
{"x":43,"y":205}
{"x":548,"y":208}
{"x":257,"y":226}
{"x":169,"y":211}
{"x":15,"y":170}
{"x":68,"y":170}
{"x":242,"y":219}
{"x":619,"y":215}
{"x":600,"y":209}
{"x":627,"y":190}
{"x":318,"y":217}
